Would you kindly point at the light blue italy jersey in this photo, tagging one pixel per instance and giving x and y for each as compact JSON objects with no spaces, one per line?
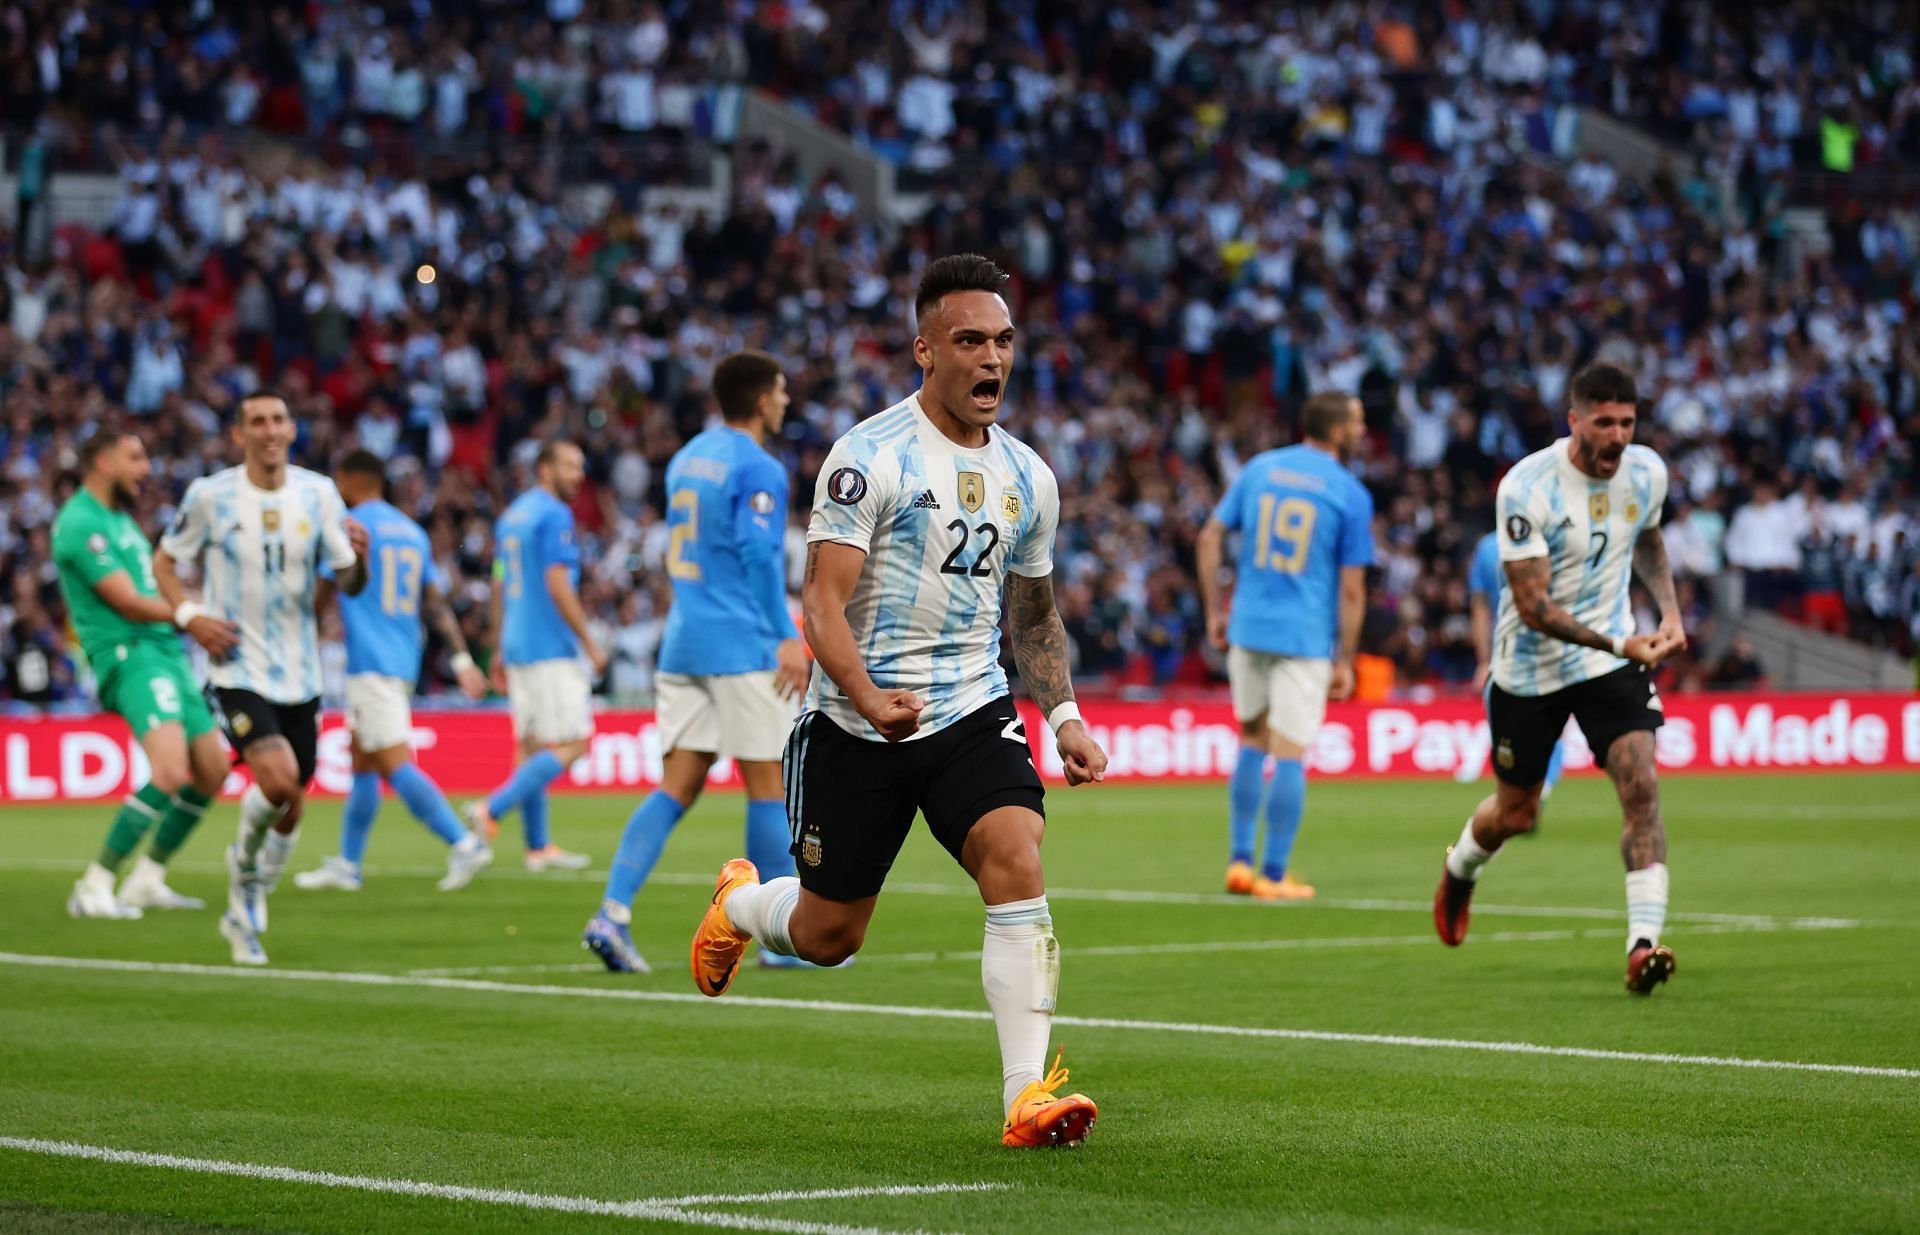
{"x":1485,"y":577}
{"x":726,"y":556}
{"x":534,"y":533}
{"x":263,"y":552}
{"x":1586,"y":528}
{"x":383,"y":621}
{"x":1303,"y":517}
{"x":941,"y":525}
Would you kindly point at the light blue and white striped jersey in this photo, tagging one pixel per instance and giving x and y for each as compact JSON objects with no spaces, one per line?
{"x":1586,"y":528}
{"x":263,"y":549}
{"x":941,"y":525}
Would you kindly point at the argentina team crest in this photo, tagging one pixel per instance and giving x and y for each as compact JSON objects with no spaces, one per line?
{"x":810,"y":848}
{"x":1010,"y":506}
{"x":973,"y":491}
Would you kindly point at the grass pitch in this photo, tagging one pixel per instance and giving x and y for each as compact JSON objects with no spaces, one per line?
{"x":422,"y":1062}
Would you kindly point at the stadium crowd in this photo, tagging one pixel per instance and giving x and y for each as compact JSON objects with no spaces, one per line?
{"x":1202,"y":228}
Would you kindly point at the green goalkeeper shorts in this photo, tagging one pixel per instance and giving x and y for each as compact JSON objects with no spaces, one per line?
{"x":152,"y":686}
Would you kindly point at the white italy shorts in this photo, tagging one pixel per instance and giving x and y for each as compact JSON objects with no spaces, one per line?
{"x":379,"y":711}
{"x":1291,"y":690}
{"x":551,"y":700}
{"x":740,"y":715}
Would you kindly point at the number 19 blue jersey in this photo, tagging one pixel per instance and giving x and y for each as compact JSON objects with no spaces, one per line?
{"x":726,"y":556}
{"x":383,"y":621}
{"x":1302,"y":517}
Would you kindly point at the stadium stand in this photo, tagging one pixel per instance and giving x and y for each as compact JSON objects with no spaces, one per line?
{"x":374,"y":208}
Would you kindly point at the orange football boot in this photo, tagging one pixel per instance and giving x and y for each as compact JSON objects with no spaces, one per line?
{"x":718,"y":944}
{"x":1240,"y":878}
{"x":1285,"y":888}
{"x":1038,"y":1120}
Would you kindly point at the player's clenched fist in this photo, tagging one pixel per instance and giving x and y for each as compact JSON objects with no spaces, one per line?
{"x":895,"y":713}
{"x":1081,"y":756}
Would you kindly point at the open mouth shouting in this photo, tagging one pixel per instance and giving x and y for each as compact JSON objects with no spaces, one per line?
{"x":986,"y":394}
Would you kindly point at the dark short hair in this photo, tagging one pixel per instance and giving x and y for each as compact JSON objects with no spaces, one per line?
{"x":98,"y":444}
{"x":1603,"y":383}
{"x":363,"y":463}
{"x":740,"y":380}
{"x":240,"y":405}
{"x":957,"y":272}
{"x":550,"y":450}
{"x":1325,"y":411}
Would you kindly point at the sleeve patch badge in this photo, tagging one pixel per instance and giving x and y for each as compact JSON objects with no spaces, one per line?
{"x":1518,"y":528}
{"x":761,"y":502}
{"x":97,"y":543}
{"x":847,"y":486}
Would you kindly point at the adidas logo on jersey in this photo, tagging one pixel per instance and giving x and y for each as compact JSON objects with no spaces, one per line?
{"x":926,"y":501}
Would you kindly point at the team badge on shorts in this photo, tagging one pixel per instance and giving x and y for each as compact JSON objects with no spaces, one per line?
{"x":810,"y":849}
{"x":242,"y":725}
{"x":1504,"y":756}
{"x":847,"y":486}
{"x":973,"y":490}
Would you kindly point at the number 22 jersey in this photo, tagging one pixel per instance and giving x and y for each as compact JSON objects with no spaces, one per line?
{"x":942,"y":525}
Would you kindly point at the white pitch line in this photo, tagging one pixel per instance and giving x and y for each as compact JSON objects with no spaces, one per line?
{"x":354,"y":978}
{"x":476,"y":971}
{"x":652,"y":1210}
{"x":1127,"y":896}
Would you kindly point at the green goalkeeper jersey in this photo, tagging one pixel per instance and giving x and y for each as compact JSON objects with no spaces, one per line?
{"x":91,"y":542}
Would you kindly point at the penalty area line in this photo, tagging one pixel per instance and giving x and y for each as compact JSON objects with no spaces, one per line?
{"x":677,"y":1209}
{"x":530,"y":990}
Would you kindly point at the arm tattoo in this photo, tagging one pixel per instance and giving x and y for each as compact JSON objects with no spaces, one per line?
{"x":1530,"y":581}
{"x":445,"y":624}
{"x":1650,"y":563}
{"x":1039,"y":640}
{"x":813,"y":560}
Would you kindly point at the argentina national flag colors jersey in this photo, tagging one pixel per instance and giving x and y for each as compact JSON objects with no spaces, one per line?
{"x":1586,"y":528}
{"x":383,"y":621}
{"x":941,"y":525}
{"x":264,"y":550}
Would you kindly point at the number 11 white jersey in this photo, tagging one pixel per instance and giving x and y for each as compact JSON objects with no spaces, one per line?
{"x":263,"y":552}
{"x":1586,"y":528}
{"x":941,"y":525}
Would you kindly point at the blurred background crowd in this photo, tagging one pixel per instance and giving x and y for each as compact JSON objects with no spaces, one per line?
{"x":1210,"y":209}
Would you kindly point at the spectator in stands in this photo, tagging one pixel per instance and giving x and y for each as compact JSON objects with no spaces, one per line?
{"x":1739,"y":668}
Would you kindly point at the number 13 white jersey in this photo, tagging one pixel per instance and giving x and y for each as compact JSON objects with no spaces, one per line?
{"x":1586,"y":528}
{"x":263,"y":552}
{"x":941,"y":525}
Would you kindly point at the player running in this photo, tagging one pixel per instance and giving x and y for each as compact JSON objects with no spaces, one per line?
{"x":1300,"y":594}
{"x":1575,"y":521}
{"x":265,"y":529}
{"x":125,"y":629}
{"x":383,"y":662}
{"x":1486,"y":584}
{"x":921,"y":515}
{"x":541,"y":628}
{"x":731,"y":660}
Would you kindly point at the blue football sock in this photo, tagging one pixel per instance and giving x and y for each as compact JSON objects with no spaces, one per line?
{"x":640,"y":845}
{"x":769,"y":840}
{"x":533,"y":820}
{"x":363,"y":803}
{"x":1243,"y":801}
{"x":1285,"y":802}
{"x":527,"y":779}
{"x":1555,"y":766}
{"x":428,"y":804}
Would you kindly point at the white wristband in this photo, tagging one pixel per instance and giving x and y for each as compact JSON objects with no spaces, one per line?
{"x":462,"y":662}
{"x":1061,"y":715}
{"x":188,"y":610}
{"x":1619,"y":646}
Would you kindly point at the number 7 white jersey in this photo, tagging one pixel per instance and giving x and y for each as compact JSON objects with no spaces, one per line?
{"x":263,"y":549}
{"x":941,"y":525}
{"x":1586,"y":528}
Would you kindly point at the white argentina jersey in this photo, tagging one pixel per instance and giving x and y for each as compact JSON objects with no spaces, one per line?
{"x":1586,"y":528}
{"x":941,"y":525}
{"x":263,"y":549}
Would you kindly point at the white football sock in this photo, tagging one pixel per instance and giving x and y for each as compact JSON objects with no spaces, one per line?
{"x":98,"y":876}
{"x":1467,"y":857}
{"x":274,"y":854}
{"x":257,"y":816}
{"x":1020,"y":969}
{"x":1646,"y":904}
{"x":763,"y":910}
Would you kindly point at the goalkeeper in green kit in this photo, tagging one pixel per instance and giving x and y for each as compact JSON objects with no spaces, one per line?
{"x":127,"y":632}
